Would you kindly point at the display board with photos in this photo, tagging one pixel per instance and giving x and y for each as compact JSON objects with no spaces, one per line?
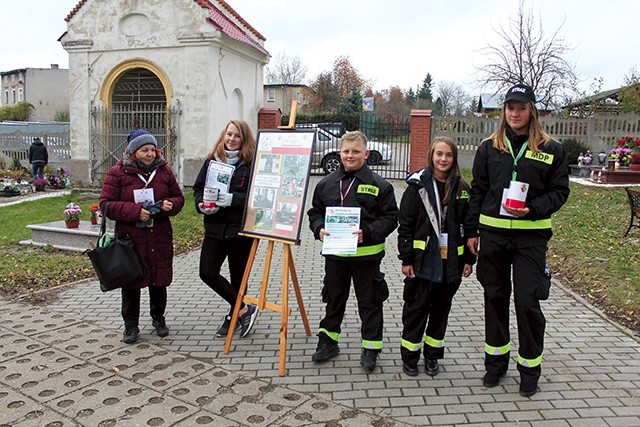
{"x":279,"y":181}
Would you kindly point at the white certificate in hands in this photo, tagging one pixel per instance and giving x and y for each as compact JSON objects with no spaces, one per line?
{"x":342,"y":224}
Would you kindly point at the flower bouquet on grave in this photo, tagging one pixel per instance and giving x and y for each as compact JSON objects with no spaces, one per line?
{"x":72,"y":215}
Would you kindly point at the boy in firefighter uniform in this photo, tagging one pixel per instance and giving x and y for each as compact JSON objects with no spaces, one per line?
{"x":513,"y":237}
{"x":354,"y":185}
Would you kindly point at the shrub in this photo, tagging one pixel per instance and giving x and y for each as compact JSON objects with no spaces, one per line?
{"x":573,"y":147}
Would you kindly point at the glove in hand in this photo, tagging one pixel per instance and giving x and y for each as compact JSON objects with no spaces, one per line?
{"x":208,"y":211}
{"x":224,"y":200}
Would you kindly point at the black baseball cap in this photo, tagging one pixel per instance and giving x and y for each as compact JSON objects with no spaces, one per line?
{"x":520,"y":92}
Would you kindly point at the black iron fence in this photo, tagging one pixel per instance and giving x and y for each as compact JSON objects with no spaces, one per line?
{"x":110,"y":127}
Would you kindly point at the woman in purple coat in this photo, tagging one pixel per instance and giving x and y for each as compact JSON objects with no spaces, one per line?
{"x":142,"y":193}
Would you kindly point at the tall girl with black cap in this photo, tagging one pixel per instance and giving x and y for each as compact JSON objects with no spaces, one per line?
{"x":512,"y":241}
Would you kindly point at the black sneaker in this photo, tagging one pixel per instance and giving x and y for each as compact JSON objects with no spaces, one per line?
{"x":368,"y":359}
{"x":491,"y":380}
{"x":431,"y":367}
{"x":248,"y":319}
{"x":161,"y":327}
{"x":528,"y":389}
{"x":223,"y":330}
{"x":130,"y":334}
{"x":327,"y":349}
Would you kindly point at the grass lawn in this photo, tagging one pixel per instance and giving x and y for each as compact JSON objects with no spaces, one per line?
{"x":25,"y":269}
{"x":587,"y":251}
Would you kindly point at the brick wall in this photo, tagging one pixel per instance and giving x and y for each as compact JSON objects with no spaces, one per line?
{"x":420,"y":138}
{"x":269,"y":118}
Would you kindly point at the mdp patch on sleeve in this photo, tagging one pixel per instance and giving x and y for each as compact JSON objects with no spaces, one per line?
{"x":540,"y":156}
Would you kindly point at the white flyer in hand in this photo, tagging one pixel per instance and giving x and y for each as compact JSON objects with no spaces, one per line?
{"x":219,"y":176}
{"x":341,"y":223}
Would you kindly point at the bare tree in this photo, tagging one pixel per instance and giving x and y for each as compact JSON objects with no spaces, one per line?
{"x":455,"y":101}
{"x":286,"y":70}
{"x":527,"y":55}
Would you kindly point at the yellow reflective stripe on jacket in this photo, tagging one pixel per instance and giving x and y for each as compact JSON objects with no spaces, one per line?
{"x":530,"y":363}
{"x":432,"y":342}
{"x":460,"y":250}
{"x":411,"y":346}
{"x":372,"y":345}
{"x":497,"y":351}
{"x":333,"y":335}
{"x":366,"y":250}
{"x":515,"y":224}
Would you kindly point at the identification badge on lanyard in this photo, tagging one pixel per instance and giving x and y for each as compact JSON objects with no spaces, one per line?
{"x":144,"y":195}
{"x":444,"y":242}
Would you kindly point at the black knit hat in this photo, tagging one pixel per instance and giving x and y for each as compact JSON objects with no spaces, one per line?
{"x":520,"y":92}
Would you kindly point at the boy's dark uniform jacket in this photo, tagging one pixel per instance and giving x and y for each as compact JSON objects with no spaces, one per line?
{"x":370,"y":192}
{"x":545,"y":172}
{"x":415,"y":226}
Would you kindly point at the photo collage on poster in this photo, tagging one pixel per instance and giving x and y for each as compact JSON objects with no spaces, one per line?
{"x":279,"y":181}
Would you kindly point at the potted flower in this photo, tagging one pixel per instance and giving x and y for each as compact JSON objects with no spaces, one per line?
{"x":40,"y":184}
{"x":621,"y":155}
{"x":94,"y":209}
{"x":72,"y":215}
{"x":625,"y":147}
{"x":55,"y":182}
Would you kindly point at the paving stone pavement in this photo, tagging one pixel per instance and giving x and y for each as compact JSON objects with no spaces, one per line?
{"x":66,"y":365}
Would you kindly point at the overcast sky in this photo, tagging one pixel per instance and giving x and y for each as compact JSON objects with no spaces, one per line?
{"x":390,"y":43}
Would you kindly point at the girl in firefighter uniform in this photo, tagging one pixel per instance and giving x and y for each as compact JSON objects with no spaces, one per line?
{"x":433,"y":252}
{"x":513,"y":238}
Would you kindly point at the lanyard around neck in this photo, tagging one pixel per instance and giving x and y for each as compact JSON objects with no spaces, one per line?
{"x":514,"y":174}
{"x":344,"y":195}
{"x":147,"y":181}
{"x":442,"y":210}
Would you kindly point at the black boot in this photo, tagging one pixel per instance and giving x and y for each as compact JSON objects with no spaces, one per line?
{"x":368,"y":359}
{"x":410,"y":361}
{"x":161,"y":327}
{"x":130,"y":334}
{"x":431,"y":367}
{"x":327,"y":349}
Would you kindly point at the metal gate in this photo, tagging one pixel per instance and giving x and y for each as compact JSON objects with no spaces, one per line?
{"x":110,"y":127}
{"x":389,"y":137}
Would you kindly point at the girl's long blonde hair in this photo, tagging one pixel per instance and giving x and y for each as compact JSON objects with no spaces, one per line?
{"x":247,"y":149}
{"x":537,"y":135}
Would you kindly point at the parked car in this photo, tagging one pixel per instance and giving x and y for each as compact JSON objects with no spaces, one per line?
{"x":337,"y":129}
{"x":326,"y":150}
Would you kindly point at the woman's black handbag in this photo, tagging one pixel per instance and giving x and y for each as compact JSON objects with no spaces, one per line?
{"x":115,"y":261}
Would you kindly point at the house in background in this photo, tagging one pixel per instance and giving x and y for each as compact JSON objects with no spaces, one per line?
{"x":489,"y":102}
{"x":281,"y":95}
{"x":47,"y":89}
{"x":607,"y":101}
{"x":181,"y":69}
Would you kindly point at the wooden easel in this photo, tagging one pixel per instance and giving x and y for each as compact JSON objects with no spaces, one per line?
{"x":288,"y":267}
{"x":292,"y":116}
